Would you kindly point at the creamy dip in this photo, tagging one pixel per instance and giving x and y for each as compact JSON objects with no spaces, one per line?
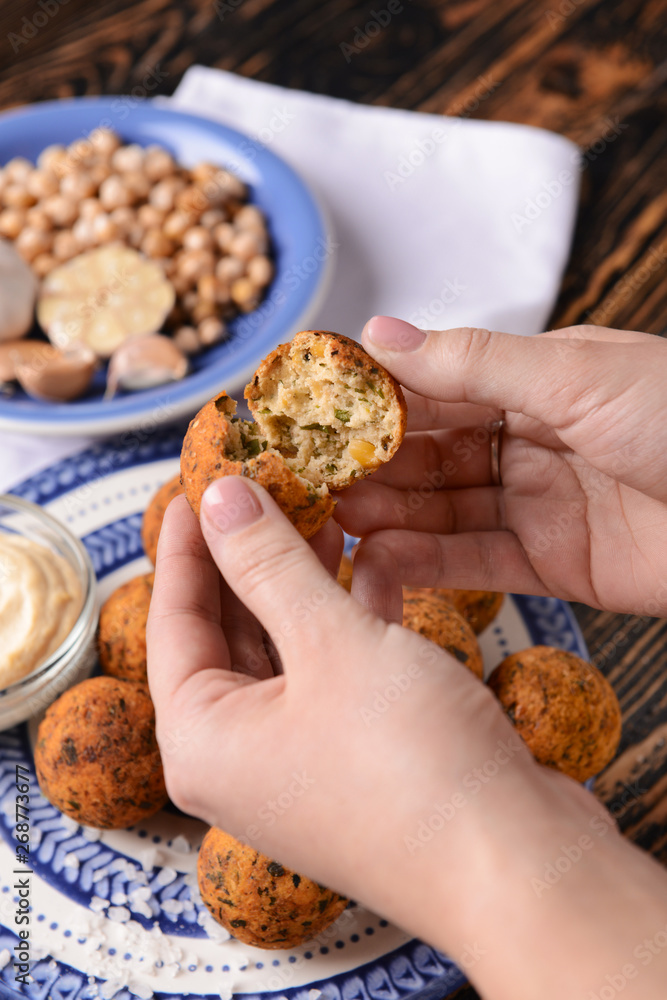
{"x":40,"y":600}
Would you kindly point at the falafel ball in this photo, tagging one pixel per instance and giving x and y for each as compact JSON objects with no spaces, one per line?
{"x":96,"y":756}
{"x":434,"y":617}
{"x":478,"y":607}
{"x":154,"y":514}
{"x":563,"y":707}
{"x":345,"y":573}
{"x":258,"y":900}
{"x":122,"y":632}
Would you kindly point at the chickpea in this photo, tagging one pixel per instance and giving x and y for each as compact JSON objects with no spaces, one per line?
{"x":213,"y":217}
{"x":65,"y":246}
{"x":207,"y":288}
{"x":114,"y":193}
{"x":230,"y":186}
{"x":12,"y":221}
{"x":37,"y":218}
{"x":16,"y":195}
{"x":204,"y":172}
{"x":90,"y":207}
{"x":156,"y":244}
{"x":186,"y":340}
{"x":223,"y":235}
{"x":228,"y":269}
{"x":198,"y":238}
{"x":31,"y":242}
{"x":181,"y":284}
{"x":104,"y":229}
{"x":203,"y":310}
{"x":260,"y":271}
{"x":176,"y":224}
{"x":246,"y":245}
{"x":222,"y":293}
{"x":51,"y":159}
{"x":193,"y":264}
{"x":42,"y":183}
{"x":192,"y":199}
{"x":164,"y":193}
{"x":138,"y":183}
{"x":44,"y":263}
{"x":158,"y":163}
{"x":83,"y":233}
{"x":244,"y":294}
{"x":124,"y":218}
{"x":78,"y":186}
{"x":190,"y":301}
{"x":127,"y":158}
{"x":18,"y":169}
{"x":250,"y":217}
{"x":211,"y":331}
{"x":136,"y":235}
{"x":81,"y":152}
{"x":150,"y":216}
{"x":99,"y":172}
{"x":105,"y":142}
{"x":62,"y":210}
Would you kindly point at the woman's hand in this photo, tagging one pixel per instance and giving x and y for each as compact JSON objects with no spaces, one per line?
{"x":582,"y":510}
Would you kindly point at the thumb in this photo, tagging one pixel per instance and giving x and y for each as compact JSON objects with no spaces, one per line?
{"x":266,"y":562}
{"x":556,"y":380}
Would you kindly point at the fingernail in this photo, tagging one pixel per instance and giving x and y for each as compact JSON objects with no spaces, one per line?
{"x":230,"y":505}
{"x":394,"y":334}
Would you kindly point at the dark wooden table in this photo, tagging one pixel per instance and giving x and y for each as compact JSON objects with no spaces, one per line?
{"x":589,"y":69}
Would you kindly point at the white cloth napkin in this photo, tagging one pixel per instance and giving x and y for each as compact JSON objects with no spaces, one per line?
{"x":441,"y":221}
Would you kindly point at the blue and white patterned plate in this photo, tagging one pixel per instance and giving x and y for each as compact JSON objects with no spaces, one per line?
{"x":116,"y":913}
{"x":302,"y":245}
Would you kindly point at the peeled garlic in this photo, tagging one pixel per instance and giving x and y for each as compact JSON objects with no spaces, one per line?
{"x":18,"y":290}
{"x":60,"y":377}
{"x":143,"y":363}
{"x":103,"y":297}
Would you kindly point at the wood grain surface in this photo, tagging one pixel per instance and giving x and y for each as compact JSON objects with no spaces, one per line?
{"x":589,"y":69}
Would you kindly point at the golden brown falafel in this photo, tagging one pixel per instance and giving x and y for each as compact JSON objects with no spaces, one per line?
{"x":154,"y":514}
{"x":563,"y":707}
{"x":478,"y":607}
{"x":122,"y":632}
{"x":96,"y":756}
{"x":258,"y":900}
{"x":439,"y":621}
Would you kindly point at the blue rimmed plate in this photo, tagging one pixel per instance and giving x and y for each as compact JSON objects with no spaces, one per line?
{"x":302,"y":244}
{"x":116,"y":913}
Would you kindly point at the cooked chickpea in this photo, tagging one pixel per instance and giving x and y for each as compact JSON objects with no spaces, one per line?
{"x":158,"y":163}
{"x":127,"y":158}
{"x":223,"y":235}
{"x":177,"y":224}
{"x":362,"y":452}
{"x":78,"y":186}
{"x":244,"y":293}
{"x":197,"y":238}
{"x":81,"y":152}
{"x":260,"y":271}
{"x":99,"y":172}
{"x":192,"y":199}
{"x":250,"y":217}
{"x":18,"y":169}
{"x":114,"y":193}
{"x":65,"y":246}
{"x":213,"y":217}
{"x":124,"y":218}
{"x":228,"y":269}
{"x":246,"y":245}
{"x":156,"y":244}
{"x":190,"y":301}
{"x":223,"y":295}
{"x":204,"y":172}
{"x":138,"y":183}
{"x":207,"y":288}
{"x":52,"y":158}
{"x":186,"y":340}
{"x":12,"y":221}
{"x":37,"y":218}
{"x":135,"y":235}
{"x":104,"y":229}
{"x":42,"y":183}
{"x":62,"y":210}
{"x":211,"y":331}
{"x":83,"y":233}
{"x":150,"y":216}
{"x":31,"y":242}
{"x":162,"y":196}
{"x":193,"y":264}
{"x":16,"y":195}
{"x":203,"y":310}
{"x":105,"y":142}
{"x":44,"y":263}
{"x":90,"y":207}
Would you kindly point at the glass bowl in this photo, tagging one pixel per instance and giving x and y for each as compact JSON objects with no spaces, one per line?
{"x":73,"y":660}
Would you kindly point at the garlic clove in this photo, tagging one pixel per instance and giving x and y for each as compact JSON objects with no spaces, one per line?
{"x":18,"y":291}
{"x":16,"y":352}
{"x":145,"y":362}
{"x":58,"y":377}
